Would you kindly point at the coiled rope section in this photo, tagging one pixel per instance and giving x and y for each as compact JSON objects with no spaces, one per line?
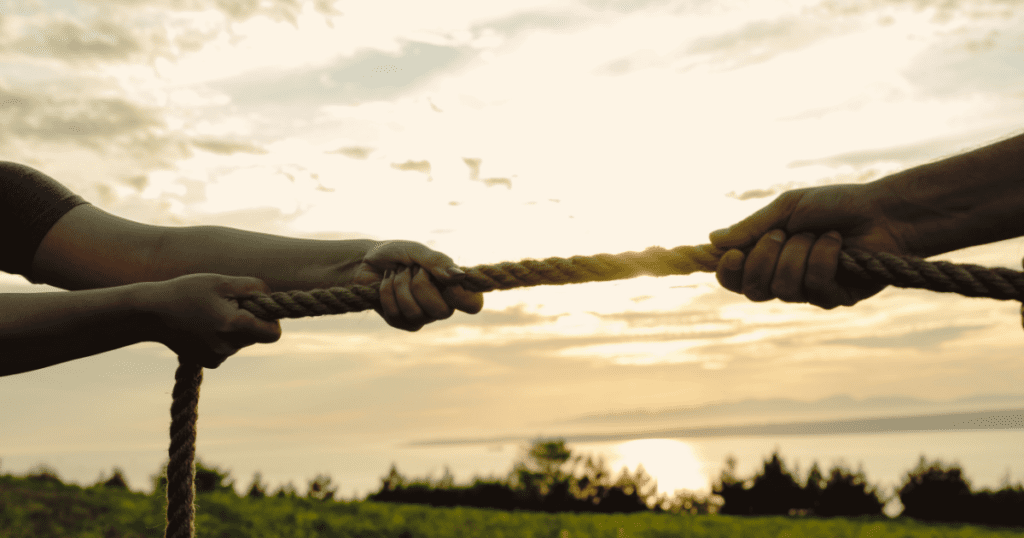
{"x":901,"y":271}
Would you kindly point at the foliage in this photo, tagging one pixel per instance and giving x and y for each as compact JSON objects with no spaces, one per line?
{"x":775,"y":491}
{"x":30,"y":508}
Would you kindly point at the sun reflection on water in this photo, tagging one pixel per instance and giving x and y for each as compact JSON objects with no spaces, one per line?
{"x":671,"y":462}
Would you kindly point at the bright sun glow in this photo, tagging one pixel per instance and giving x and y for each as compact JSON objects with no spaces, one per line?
{"x":672,"y":463}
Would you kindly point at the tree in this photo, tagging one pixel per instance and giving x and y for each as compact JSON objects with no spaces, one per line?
{"x":535,"y":474}
{"x":934,"y":492}
{"x":594,"y":482}
{"x":257,"y":489}
{"x":775,"y":491}
{"x":44,"y":473}
{"x":210,"y":479}
{"x":848,"y":494}
{"x":286,"y":491}
{"x":320,"y":488}
{"x":630,"y":493}
{"x":447,"y":480}
{"x":207,"y":479}
{"x":735,"y":496}
{"x":813,"y":487}
{"x":116,"y":481}
{"x":393,"y":480}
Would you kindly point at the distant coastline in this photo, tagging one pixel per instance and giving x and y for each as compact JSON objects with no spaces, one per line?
{"x":1004,"y":419}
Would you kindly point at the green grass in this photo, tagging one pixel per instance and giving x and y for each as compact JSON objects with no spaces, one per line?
{"x":47,"y":509}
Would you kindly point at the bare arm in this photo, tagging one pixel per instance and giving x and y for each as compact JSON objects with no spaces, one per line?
{"x":969,"y":199}
{"x":43,"y":329}
{"x":790,"y":248}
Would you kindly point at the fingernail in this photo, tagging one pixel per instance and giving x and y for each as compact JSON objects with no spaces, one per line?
{"x":777,"y":235}
{"x":834,"y":235}
{"x":718,"y":234}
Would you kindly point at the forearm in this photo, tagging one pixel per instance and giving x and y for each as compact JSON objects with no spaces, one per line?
{"x":42,"y":329}
{"x":969,"y":199}
{"x":284,"y":263}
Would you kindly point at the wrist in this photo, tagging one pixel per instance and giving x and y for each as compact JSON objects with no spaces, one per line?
{"x":343,"y":271}
{"x":143,"y":301}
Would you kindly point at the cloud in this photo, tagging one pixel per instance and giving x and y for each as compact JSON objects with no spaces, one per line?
{"x":227,"y":147}
{"x":518,"y":23}
{"x":354,"y":152}
{"x":368,"y":75}
{"x":235,"y":10}
{"x":905,"y":155}
{"x":66,"y":115}
{"x":762,"y":40}
{"x":914,"y":339}
{"x":417,"y":166}
{"x":474,"y":174}
{"x":73,"y":42}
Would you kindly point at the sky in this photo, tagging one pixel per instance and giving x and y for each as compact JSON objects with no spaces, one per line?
{"x":498,"y":131}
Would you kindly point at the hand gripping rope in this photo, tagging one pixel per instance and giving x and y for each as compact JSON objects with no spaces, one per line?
{"x":901,"y":271}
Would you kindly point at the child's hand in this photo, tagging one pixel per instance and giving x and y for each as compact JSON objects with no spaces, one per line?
{"x":417,"y":285}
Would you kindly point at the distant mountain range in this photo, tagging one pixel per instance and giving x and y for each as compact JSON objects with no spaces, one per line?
{"x":833,"y":407}
{"x":834,"y":415}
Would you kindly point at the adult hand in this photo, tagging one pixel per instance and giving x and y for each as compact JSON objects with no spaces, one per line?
{"x":417,"y":284}
{"x":198,"y":317}
{"x":790,"y":249}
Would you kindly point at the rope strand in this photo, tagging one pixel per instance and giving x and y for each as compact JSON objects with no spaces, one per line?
{"x":900,"y":271}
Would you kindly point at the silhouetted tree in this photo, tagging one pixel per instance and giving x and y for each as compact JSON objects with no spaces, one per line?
{"x":320,"y":488}
{"x":813,"y":487}
{"x":848,"y":494}
{"x":935,"y":492}
{"x":534,"y":475}
{"x":207,"y":479}
{"x":688,"y":502}
{"x":447,"y":480}
{"x":257,"y":489}
{"x":629,"y":493}
{"x":393,"y":480}
{"x":116,"y":481}
{"x":286,"y":491}
{"x":210,"y":479}
{"x":774,"y":491}
{"x":594,"y":481}
{"x":735,"y":496}
{"x":1002,"y":507}
{"x":45,"y":474}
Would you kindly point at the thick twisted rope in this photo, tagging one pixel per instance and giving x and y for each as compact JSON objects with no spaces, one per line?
{"x":901,"y":271}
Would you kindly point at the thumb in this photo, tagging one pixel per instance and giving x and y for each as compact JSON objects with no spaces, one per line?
{"x":747,"y":231}
{"x":439,"y":265}
{"x":263,"y":330}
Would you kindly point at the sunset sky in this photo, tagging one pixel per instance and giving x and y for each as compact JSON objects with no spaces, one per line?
{"x":496,"y":131}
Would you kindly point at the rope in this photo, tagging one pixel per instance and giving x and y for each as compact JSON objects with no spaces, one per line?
{"x":901,"y":271}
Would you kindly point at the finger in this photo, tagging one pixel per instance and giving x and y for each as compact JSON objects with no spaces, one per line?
{"x":820,"y":281}
{"x":749,"y":230}
{"x":246,"y":286}
{"x":788,"y":281}
{"x":410,"y":310}
{"x":760,"y":266}
{"x":470,"y":302}
{"x":388,"y":304}
{"x":427,"y":295}
{"x":436,"y":263}
{"x":730,"y":270}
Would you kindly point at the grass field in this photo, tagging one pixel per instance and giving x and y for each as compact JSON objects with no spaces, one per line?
{"x":41,"y":510}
